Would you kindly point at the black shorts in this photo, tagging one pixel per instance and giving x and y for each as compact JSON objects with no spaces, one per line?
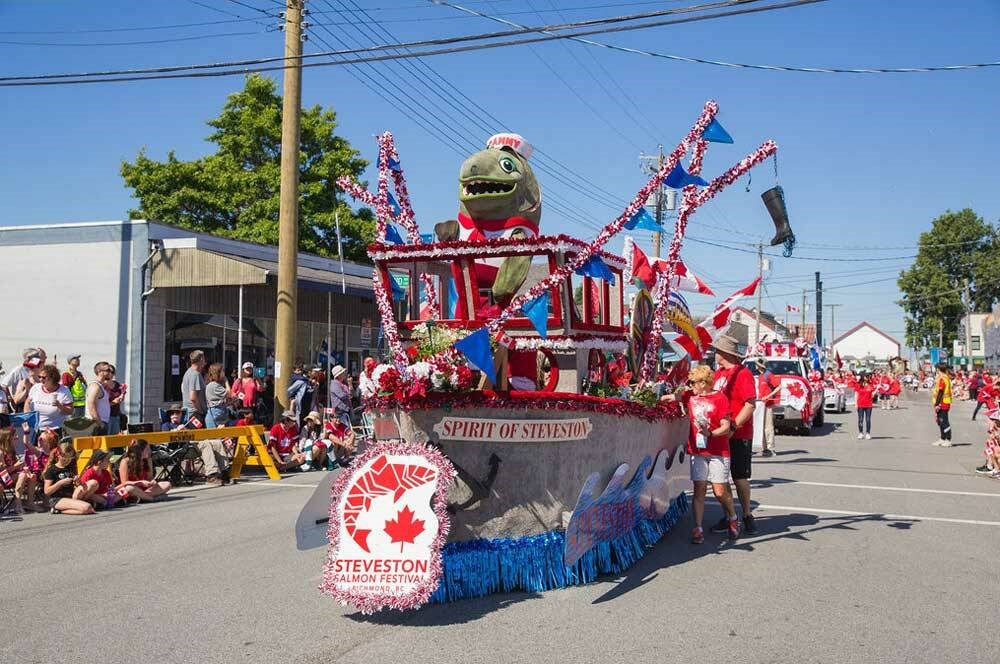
{"x":740,"y":453}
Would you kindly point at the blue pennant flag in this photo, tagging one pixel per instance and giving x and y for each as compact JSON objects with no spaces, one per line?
{"x":596,"y":268}
{"x":714,"y":133}
{"x":392,"y":235}
{"x":427,"y":238}
{"x":452,"y":298}
{"x":679,"y":178}
{"x":476,"y":349}
{"x":398,"y":292}
{"x":396,"y":210}
{"x":537,"y":312}
{"x":643,"y":220}
{"x":394,"y":165}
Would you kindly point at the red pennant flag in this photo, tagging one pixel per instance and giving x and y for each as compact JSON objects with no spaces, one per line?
{"x":641,"y":268}
{"x":840,"y":364}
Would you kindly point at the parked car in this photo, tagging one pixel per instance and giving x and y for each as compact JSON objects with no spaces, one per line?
{"x":834,"y":398}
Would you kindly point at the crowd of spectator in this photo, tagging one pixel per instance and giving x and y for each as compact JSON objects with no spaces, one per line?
{"x":41,"y":407}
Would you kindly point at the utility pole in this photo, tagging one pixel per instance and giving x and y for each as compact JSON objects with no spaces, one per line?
{"x":968,"y":325}
{"x":819,"y":311}
{"x":833,"y":332}
{"x":803,"y":328}
{"x":760,"y":290}
{"x":660,"y":206}
{"x":288,"y":214}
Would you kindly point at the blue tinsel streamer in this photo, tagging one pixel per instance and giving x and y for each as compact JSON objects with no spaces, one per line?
{"x":481,"y":567}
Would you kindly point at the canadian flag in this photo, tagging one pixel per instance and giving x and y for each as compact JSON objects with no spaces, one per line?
{"x":684,"y":279}
{"x":790,"y":307}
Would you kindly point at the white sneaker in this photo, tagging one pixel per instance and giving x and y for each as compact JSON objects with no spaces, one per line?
{"x":937,"y":443}
{"x":945,"y":443}
{"x":860,"y":436}
{"x":868,"y":436}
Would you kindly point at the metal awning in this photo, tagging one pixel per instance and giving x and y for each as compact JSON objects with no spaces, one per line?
{"x":187,"y":266}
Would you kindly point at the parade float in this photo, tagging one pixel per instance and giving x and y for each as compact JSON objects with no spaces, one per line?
{"x":518,"y":441}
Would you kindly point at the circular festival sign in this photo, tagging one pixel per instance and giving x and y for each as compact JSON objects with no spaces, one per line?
{"x":388,"y":522}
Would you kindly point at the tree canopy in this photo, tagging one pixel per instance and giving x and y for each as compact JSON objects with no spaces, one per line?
{"x":235,"y":191}
{"x":960,"y":247}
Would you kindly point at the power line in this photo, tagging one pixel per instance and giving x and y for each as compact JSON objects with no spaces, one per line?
{"x":801,"y":258}
{"x":43,"y":79}
{"x":740,"y":65}
{"x":143,"y":42}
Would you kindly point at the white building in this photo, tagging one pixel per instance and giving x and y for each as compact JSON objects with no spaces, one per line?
{"x":142,"y":295}
{"x":770,"y":328}
{"x":959,"y":355}
{"x":865,"y":341}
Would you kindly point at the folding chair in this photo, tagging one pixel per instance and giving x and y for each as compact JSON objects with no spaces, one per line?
{"x":177,"y":463}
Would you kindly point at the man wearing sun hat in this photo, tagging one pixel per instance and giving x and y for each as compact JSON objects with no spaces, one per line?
{"x":736,"y":382}
{"x":340,"y":394}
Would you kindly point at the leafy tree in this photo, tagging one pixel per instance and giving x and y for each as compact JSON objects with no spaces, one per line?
{"x":960,"y":246}
{"x":235,"y":191}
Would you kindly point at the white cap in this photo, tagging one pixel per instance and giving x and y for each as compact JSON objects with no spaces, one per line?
{"x":248,"y":365}
{"x":514,"y":141}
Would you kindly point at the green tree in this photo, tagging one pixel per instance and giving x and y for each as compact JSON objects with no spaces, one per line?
{"x":960,"y":247}
{"x":235,"y":191}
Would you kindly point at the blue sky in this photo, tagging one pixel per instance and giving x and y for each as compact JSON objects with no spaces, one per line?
{"x":866,"y":160}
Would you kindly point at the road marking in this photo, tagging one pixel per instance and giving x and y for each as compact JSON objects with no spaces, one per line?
{"x":907,"y":517}
{"x":250,"y":483}
{"x":892,"y":488}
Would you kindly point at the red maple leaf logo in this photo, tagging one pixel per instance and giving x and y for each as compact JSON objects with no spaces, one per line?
{"x":404,"y":528}
{"x":795,"y":389}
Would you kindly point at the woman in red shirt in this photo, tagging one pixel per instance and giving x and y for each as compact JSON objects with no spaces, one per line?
{"x":708,"y":445}
{"x":135,"y":474}
{"x":865,"y":390}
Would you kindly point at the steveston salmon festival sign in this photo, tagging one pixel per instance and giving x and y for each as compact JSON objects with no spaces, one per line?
{"x":513,"y":431}
{"x":388,"y":522}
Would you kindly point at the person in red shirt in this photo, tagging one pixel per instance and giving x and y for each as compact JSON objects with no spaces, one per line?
{"x":135,"y":474}
{"x":895,"y":387}
{"x":283,"y":443}
{"x":768,"y":388}
{"x":736,"y":382}
{"x":341,"y":439}
{"x":708,"y":445}
{"x":95,"y":481}
{"x":864,"y":392}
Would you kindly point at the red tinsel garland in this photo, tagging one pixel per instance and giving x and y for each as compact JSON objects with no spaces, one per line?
{"x":516,"y":400}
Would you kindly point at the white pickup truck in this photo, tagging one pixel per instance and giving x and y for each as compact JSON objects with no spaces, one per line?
{"x":800,"y":407}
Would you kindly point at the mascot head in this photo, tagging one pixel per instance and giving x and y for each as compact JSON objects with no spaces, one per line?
{"x":498,"y":183}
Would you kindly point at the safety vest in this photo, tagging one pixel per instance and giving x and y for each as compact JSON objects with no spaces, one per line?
{"x":78,"y":390}
{"x":943,"y":385}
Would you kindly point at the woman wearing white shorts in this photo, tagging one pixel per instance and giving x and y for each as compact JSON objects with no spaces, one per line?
{"x":708,"y":446}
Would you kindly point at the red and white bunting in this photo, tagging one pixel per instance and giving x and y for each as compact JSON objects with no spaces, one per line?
{"x":684,"y":278}
{"x":713,"y":326}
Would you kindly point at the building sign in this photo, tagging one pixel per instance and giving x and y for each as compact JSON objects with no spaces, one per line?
{"x":366,"y":331}
{"x":388,"y":521}
{"x":513,"y":431}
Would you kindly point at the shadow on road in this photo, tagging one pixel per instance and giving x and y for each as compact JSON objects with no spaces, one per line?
{"x":674,"y":550}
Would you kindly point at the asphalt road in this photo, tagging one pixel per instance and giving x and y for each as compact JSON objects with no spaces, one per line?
{"x":882,"y":550}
